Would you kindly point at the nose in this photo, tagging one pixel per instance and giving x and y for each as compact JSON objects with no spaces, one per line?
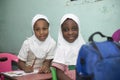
{"x":70,"y":32}
{"x":41,"y":32}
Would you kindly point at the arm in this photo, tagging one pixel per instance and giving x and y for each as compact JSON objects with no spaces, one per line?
{"x":61,"y":75}
{"x":46,"y":66}
{"x":23,"y":54}
{"x":47,"y":62}
{"x":60,"y":69}
{"x":22,"y":66}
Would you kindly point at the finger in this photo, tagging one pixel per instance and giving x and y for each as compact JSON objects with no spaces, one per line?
{"x":47,"y":71}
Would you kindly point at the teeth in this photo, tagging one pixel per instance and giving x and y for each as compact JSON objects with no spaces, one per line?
{"x":71,"y":38}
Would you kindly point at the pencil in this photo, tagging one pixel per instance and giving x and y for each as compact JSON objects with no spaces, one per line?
{"x":34,"y":62}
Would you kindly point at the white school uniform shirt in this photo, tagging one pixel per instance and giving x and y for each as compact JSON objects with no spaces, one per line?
{"x":66,"y":53}
{"x":33,"y":48}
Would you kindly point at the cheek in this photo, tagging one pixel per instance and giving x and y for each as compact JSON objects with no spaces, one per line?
{"x":76,"y":33}
{"x":46,"y":32}
{"x":36,"y":33}
{"x":64,"y":34}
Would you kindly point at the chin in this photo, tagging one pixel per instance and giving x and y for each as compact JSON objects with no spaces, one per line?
{"x":70,"y":41}
{"x":42,"y":39}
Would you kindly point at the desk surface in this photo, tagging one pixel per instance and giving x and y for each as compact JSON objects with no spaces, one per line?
{"x":35,"y":77}
{"x":30,"y":77}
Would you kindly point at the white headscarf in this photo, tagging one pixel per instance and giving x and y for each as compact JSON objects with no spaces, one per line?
{"x":40,"y":48}
{"x":37,"y":17}
{"x":66,"y":53}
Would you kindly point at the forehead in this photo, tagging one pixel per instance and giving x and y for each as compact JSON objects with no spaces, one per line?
{"x":69,"y":22}
{"x":43,"y":20}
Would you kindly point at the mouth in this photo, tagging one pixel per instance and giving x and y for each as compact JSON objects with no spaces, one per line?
{"x":42,"y":38}
{"x":71,"y":37}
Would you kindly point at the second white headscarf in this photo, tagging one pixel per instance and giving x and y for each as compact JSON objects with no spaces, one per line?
{"x":66,"y":53}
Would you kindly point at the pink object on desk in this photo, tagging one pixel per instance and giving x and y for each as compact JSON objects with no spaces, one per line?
{"x":6,"y":62}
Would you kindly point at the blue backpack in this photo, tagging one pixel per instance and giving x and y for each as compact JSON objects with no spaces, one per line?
{"x":99,"y":60}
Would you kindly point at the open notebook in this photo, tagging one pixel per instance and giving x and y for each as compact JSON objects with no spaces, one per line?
{"x":18,"y":73}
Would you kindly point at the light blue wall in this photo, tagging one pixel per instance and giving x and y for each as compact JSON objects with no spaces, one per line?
{"x":16,"y":16}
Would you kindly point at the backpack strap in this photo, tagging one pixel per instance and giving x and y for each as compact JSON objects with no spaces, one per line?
{"x":94,"y":45}
{"x":98,"y":52}
{"x":91,"y":37}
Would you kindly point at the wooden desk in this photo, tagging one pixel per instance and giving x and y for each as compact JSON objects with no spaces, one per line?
{"x":30,"y":77}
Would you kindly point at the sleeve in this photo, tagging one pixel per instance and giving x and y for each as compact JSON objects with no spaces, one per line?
{"x":50,"y":54}
{"x":23,"y":53}
{"x":59,"y":66}
{"x":59,"y":56}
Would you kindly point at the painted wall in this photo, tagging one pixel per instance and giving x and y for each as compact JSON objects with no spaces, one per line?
{"x":16,"y":16}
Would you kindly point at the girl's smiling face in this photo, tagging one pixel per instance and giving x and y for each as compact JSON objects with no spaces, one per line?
{"x":41,"y":29}
{"x":70,"y":30}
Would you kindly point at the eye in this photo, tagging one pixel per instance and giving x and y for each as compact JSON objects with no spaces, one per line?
{"x":74,"y":28}
{"x":36,"y":29}
{"x":65,"y":29}
{"x":45,"y":28}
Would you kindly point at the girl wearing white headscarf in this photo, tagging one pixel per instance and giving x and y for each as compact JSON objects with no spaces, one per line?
{"x":66,"y":52}
{"x":37,"y":50}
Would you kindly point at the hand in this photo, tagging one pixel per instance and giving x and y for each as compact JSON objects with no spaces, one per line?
{"x":44,"y":69}
{"x":28,"y":69}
